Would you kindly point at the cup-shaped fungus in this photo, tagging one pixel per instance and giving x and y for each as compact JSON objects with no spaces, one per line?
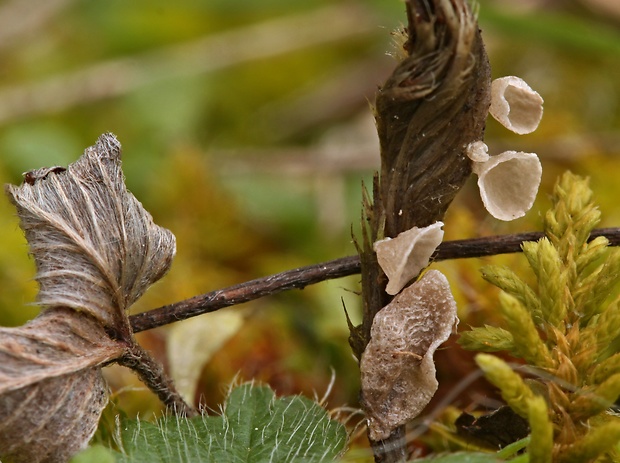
{"x":478,"y":151}
{"x":515,"y":105}
{"x":397,"y":367}
{"x":402,"y":258}
{"x":508,"y":183}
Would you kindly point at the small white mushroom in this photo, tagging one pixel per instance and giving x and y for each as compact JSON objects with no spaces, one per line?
{"x":397,"y":367}
{"x":515,"y":105}
{"x":402,"y":258}
{"x":478,"y":151}
{"x":508,"y":183}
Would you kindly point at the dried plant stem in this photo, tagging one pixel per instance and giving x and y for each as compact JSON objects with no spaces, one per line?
{"x":152,"y":374}
{"x":392,"y":449}
{"x":304,"y":276}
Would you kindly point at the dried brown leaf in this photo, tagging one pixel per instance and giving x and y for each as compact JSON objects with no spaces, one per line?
{"x":53,"y":419}
{"x":51,"y":389}
{"x":96,"y":248}
{"x":429,"y":110}
{"x":56,"y":343}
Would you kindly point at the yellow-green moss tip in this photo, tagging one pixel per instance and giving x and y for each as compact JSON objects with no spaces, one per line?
{"x":512,"y":387}
{"x":527,"y":341}
{"x":541,"y":430}
{"x":508,"y":281}
{"x":595,"y":443}
{"x":596,"y":399}
{"x":573,"y":213}
{"x":487,"y":339}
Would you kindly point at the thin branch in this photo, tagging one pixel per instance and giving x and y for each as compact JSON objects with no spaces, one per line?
{"x":304,"y":276}
{"x":244,"y":292}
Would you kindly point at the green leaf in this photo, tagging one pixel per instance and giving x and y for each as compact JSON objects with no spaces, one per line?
{"x":255,"y":427}
{"x":95,"y":454}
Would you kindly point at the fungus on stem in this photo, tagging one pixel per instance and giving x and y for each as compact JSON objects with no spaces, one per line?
{"x":515,"y":105}
{"x":508,"y":183}
{"x":430,"y":109}
{"x":403,"y":257}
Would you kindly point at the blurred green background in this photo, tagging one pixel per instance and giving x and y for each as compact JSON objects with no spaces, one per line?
{"x":246,"y":130}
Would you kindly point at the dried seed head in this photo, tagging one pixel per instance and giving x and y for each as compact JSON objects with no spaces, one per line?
{"x":397,"y":368}
{"x":402,"y":258}
{"x":508,"y":183}
{"x":515,"y":105}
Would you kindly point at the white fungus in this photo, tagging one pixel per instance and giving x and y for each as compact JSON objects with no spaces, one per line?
{"x":397,"y":367}
{"x":478,"y":151}
{"x":515,"y":105}
{"x":402,"y":258}
{"x":508,"y":183}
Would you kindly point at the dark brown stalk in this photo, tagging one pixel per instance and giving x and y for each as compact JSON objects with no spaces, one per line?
{"x":152,"y":374}
{"x":430,"y":109}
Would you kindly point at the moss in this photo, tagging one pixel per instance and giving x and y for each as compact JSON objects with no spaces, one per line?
{"x":565,"y":329}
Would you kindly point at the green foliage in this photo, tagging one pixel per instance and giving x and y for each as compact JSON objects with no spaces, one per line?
{"x":255,"y":427}
{"x":95,"y":454}
{"x":562,"y":329}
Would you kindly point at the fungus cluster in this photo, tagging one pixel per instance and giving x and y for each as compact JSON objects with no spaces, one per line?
{"x":398,"y":373}
{"x":509,"y":181}
{"x":397,"y":367}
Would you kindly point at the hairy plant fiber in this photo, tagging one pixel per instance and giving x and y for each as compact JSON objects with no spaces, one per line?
{"x":429,"y":110}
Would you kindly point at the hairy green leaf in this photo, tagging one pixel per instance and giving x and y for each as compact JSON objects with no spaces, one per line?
{"x":255,"y":427}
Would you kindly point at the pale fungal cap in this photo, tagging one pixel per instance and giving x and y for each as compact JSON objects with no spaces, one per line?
{"x":397,"y":367}
{"x":402,"y":258}
{"x":508,"y":183}
{"x":515,"y":105}
{"x":478,"y":151}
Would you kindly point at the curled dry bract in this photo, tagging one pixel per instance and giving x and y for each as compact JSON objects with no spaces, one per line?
{"x":397,"y":368}
{"x":96,"y":250}
{"x":508,"y":183}
{"x":51,"y":388}
{"x":515,"y":105}
{"x":402,"y":258}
